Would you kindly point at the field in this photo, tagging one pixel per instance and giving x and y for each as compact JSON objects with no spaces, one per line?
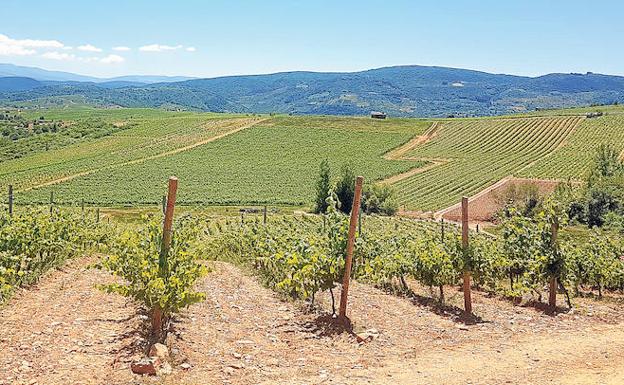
{"x":254,"y":160}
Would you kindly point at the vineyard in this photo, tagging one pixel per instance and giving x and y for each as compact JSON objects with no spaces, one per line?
{"x":430,"y":163}
{"x":272,"y":162}
{"x":150,"y":133}
{"x":574,"y":159}
{"x":474,"y":154}
{"x":404,"y":295}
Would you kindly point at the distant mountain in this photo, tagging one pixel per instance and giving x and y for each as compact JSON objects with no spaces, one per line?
{"x":398,"y":91}
{"x":150,"y":79}
{"x":15,"y":83}
{"x":41,"y":74}
{"x":11,"y":70}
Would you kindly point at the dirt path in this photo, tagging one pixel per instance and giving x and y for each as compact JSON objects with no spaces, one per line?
{"x":64,"y":331}
{"x":581,"y":357}
{"x":414,"y":171}
{"x":247,"y":123}
{"x":399,"y":154}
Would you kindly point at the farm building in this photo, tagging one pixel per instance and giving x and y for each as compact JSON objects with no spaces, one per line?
{"x":378,"y":115}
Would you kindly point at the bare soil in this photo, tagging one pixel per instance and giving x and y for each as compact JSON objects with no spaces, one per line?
{"x":485,"y":204}
{"x":65,"y":331}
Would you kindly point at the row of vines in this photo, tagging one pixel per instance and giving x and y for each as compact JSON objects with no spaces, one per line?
{"x":302,"y":256}
{"x":33,"y":241}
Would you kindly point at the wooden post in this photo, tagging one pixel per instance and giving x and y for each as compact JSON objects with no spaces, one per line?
{"x":242,"y":218}
{"x":442,"y":227}
{"x":360,"y":222}
{"x":477,"y":227}
{"x":97,"y":215}
{"x":10,"y":200}
{"x":164,"y":204}
{"x":350,"y":244}
{"x":467,"y":294}
{"x":552,"y":290}
{"x":264,"y":215}
{"x":51,"y":201}
{"x":82,"y":206}
{"x":157,"y":315}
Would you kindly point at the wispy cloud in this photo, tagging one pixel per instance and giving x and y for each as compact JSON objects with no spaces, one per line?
{"x":112,"y":59}
{"x":17,"y":47}
{"x":191,"y":49}
{"x":121,"y":48}
{"x":160,"y":48}
{"x":54,"y":55}
{"x":89,"y":48}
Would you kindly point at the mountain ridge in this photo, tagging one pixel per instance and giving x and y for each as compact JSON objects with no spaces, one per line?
{"x":427,"y":91}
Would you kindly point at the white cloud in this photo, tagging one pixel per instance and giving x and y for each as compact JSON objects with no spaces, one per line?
{"x":10,"y":47}
{"x":121,"y":49}
{"x":112,"y":59}
{"x":89,"y":48}
{"x":191,"y":49}
{"x":58,"y":56}
{"x":159,"y":48}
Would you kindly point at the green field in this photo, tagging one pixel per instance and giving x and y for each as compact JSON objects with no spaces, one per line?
{"x":274,"y":159}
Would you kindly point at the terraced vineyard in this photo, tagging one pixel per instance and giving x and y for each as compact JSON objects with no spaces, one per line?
{"x":473,"y":154}
{"x":574,"y":159}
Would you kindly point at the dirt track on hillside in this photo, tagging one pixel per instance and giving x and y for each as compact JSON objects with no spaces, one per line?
{"x":64,"y":331}
{"x":398,"y":153}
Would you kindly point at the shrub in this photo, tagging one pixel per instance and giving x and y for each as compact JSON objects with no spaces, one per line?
{"x":161,"y":281}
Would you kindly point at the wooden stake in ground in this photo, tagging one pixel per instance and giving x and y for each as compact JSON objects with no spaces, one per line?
{"x":97,"y":215}
{"x":360,"y":222}
{"x":10,"y":200}
{"x":442,"y":229}
{"x":157,"y":314}
{"x":350,"y":244}
{"x":264,"y":215}
{"x":467,"y":294}
{"x":51,"y":201}
{"x":552,"y":293}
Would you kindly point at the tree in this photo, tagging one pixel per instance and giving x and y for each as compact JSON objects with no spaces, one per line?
{"x":345,"y":189}
{"x":606,"y":163}
{"x":379,"y":199}
{"x":323,"y":188}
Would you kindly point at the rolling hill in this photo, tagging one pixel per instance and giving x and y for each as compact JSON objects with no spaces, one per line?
{"x":399,"y":91}
{"x":228,"y":159}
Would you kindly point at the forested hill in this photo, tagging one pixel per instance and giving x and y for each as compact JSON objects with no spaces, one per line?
{"x":399,"y":91}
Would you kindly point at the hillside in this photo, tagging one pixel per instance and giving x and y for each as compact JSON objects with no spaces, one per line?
{"x":247,"y":160}
{"x":11,"y":70}
{"x":400,"y":91}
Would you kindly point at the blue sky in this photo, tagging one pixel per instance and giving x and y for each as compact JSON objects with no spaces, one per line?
{"x":213,"y":38}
